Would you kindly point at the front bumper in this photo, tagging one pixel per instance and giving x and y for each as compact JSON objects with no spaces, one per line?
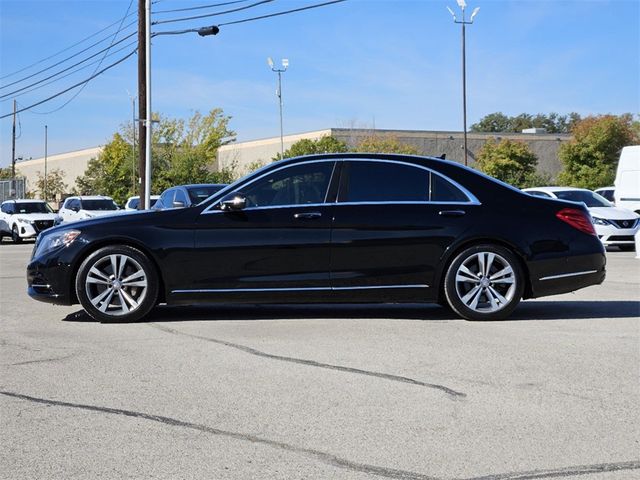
{"x":49,"y":279}
{"x":610,"y":235}
{"x":32,"y":229}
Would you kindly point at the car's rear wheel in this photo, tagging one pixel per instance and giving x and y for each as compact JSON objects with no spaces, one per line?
{"x":484,"y":282}
{"x":15,"y":236}
{"x":117,"y":284}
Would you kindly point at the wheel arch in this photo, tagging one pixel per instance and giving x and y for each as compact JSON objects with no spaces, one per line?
{"x":451,"y":253}
{"x":109,"y":242}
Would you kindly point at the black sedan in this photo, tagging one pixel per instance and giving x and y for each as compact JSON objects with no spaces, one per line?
{"x":328,"y":228}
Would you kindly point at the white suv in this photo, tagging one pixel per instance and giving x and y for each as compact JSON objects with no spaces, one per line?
{"x":81,"y":208}
{"x":25,"y":218}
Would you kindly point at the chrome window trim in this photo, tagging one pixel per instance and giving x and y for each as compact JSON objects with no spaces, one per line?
{"x":295,"y":289}
{"x":253,"y":180}
{"x":565,"y":275}
{"x":472,"y":199}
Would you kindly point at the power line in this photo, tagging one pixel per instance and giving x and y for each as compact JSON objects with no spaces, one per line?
{"x":38,"y":87}
{"x":68,"y":58}
{"x":74,"y":86}
{"x":309,"y":7}
{"x":200,"y":7}
{"x":67,"y":68}
{"x":96,"y":69}
{"x":73,"y":45}
{"x":184,"y":19}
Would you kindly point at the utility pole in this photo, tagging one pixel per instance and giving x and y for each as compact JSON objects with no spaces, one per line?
{"x":149,"y":122}
{"x":133,"y":146}
{"x":46,"y":192}
{"x":13,"y":152}
{"x":142,"y":98}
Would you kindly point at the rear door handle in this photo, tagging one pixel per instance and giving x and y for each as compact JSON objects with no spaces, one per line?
{"x":452,"y":213}
{"x":307,"y":215}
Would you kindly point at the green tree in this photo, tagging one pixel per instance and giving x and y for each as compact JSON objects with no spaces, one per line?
{"x":182,"y":153}
{"x":326,"y":144}
{"x":510,"y":161}
{"x":552,"y":122}
{"x":384,"y":144}
{"x":55,"y":184}
{"x":5,"y":173}
{"x":590,"y":158}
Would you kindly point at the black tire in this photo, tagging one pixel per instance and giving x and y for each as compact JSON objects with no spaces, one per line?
{"x":125,"y":293}
{"x":15,"y":236}
{"x":484,"y":282}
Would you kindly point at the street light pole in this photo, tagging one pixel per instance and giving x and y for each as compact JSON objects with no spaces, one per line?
{"x":46,"y":135}
{"x":280,"y":71}
{"x":464,"y":23}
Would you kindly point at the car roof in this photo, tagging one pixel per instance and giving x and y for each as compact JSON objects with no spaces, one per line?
{"x":196,"y":185}
{"x":91,"y":197}
{"x":23,"y":200}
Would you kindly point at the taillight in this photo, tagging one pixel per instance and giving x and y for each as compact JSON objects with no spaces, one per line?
{"x":577,"y":219}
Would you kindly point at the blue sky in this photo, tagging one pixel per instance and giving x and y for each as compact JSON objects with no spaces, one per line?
{"x":392,"y":63}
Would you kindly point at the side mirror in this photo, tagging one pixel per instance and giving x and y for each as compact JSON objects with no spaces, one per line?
{"x":178,"y":204}
{"x":75,"y":209}
{"x":233,"y":202}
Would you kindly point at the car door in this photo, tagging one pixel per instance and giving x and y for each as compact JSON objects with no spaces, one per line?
{"x":5,"y":213}
{"x":392,"y":224}
{"x":277,"y":247}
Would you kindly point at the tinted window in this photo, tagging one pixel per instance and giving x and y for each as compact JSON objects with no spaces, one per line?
{"x":40,"y":207}
{"x":166,"y":199}
{"x":181,"y":197}
{"x":99,"y":205}
{"x":73,"y":203}
{"x":443,"y":190}
{"x":7,"y":208}
{"x":297,"y":185}
{"x":134,"y":203}
{"x":386,"y":182}
{"x":200,"y":193}
{"x":590,"y":199}
{"x":608,"y":194}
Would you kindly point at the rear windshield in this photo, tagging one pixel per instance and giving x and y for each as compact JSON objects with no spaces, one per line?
{"x":99,"y":205}
{"x":198,"y":194}
{"x":30,"y":207}
{"x":590,"y":199}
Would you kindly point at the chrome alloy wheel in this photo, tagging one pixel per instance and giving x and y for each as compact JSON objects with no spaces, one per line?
{"x":485,"y":282}
{"x":116,"y":284}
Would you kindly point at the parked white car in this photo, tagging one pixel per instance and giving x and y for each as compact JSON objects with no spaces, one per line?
{"x":133,"y":202}
{"x":22,"y":219}
{"x":615,"y":226}
{"x":81,"y":208}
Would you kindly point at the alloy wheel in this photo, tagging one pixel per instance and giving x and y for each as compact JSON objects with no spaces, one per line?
{"x":116,"y":284}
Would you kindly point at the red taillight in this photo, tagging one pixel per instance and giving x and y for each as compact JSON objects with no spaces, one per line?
{"x":577,"y":219}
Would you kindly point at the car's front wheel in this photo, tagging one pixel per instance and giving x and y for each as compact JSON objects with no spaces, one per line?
{"x":484,"y":282}
{"x":15,"y":236}
{"x":117,"y":284}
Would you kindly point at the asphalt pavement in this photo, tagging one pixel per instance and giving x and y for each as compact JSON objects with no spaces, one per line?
{"x":322,"y":392}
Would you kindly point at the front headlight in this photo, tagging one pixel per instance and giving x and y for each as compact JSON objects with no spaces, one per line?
{"x":599,"y":221}
{"x":23,"y":220}
{"x":50,"y":242}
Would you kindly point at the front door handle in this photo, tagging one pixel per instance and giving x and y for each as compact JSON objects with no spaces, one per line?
{"x":307,"y":215}
{"x":451,"y":213}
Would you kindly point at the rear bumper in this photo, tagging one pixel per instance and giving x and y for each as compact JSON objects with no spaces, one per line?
{"x":551,"y":277}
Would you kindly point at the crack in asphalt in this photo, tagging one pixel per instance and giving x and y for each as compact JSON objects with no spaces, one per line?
{"x":43,"y":360}
{"x":312,"y":363}
{"x":329,"y":458}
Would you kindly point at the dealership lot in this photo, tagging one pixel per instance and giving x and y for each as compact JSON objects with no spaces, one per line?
{"x":322,"y":392}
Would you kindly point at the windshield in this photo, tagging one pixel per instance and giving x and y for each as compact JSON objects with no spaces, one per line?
{"x":200,"y":193}
{"x":590,"y":199}
{"x":32,"y":207}
{"x":99,"y":205}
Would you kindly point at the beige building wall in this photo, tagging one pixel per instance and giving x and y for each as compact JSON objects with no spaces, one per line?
{"x":246,"y":156}
{"x":72,"y":164}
